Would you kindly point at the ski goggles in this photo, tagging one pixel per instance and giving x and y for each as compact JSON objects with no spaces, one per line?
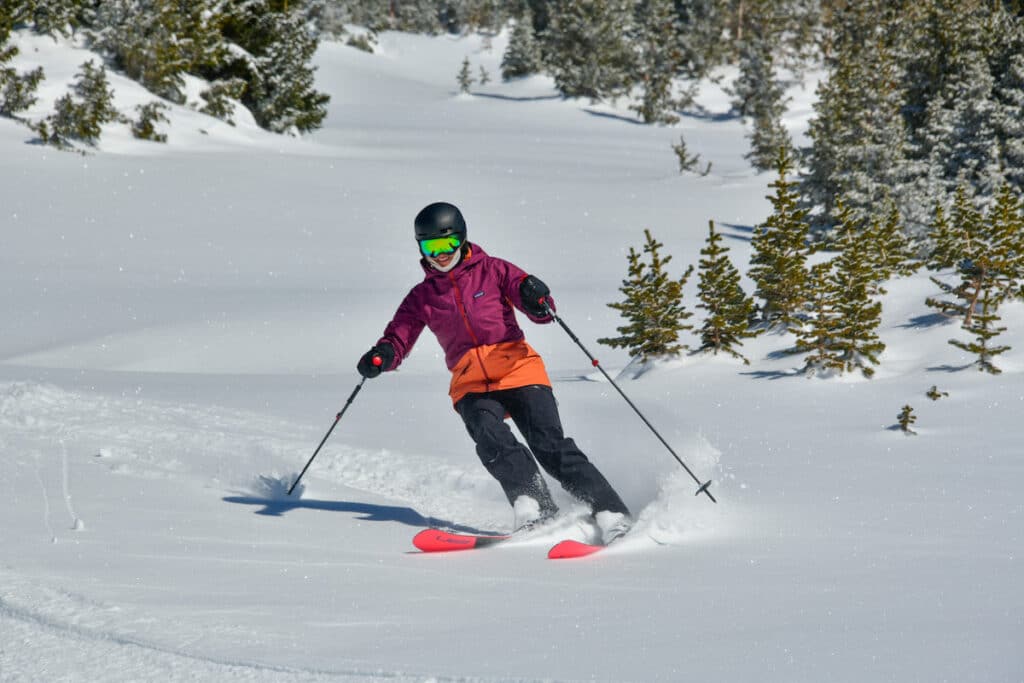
{"x":440,"y":245}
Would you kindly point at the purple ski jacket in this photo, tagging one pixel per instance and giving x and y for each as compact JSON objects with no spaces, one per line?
{"x":469,"y":309}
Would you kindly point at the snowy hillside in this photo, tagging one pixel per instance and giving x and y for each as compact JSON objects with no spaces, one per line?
{"x":182,"y":323}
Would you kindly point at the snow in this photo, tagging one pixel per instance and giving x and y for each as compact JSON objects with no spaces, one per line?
{"x":182,"y":322}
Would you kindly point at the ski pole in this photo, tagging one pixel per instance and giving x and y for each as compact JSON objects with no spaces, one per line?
{"x":337,"y":419}
{"x":703,"y":487}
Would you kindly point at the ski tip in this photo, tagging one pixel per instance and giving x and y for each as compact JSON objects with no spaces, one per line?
{"x":437,"y":541}
{"x":569,"y":549}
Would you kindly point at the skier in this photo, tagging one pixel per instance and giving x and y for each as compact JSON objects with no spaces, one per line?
{"x":466,"y":299}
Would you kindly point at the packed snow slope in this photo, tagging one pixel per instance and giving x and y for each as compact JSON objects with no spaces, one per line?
{"x":181,"y":324}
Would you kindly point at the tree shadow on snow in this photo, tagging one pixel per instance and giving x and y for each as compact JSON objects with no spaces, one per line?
{"x":615,"y":117}
{"x":746,"y":230}
{"x":511,"y":98}
{"x":928,"y":320}
{"x":949,"y":368}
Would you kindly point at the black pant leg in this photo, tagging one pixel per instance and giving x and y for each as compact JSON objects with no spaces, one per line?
{"x":535,"y":413}
{"x":508,"y":461}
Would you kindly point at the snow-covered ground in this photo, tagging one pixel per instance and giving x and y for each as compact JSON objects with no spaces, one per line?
{"x":181,"y":323}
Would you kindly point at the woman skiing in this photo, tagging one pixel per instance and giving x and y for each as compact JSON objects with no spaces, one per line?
{"x":466,"y":298}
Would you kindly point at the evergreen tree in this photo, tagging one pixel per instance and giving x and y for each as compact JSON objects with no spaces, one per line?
{"x":586,"y":49}
{"x":51,"y":17}
{"x":855,"y":338}
{"x":959,"y":243}
{"x":858,"y":132}
{"x":890,"y":251}
{"x":17,"y":91}
{"x":522,"y":56}
{"x":653,"y":306}
{"x":1009,"y":121}
{"x":959,"y":136}
{"x":658,"y":60}
{"x":729,"y":310}
{"x":780,"y":251}
{"x":149,"y":116}
{"x":465,"y":77}
{"x":687,"y":161}
{"x":149,"y":41}
{"x":816,"y":336}
{"x":80,"y":119}
{"x":987,"y":255}
{"x":983,"y":325}
{"x":906,"y":418}
{"x":276,"y":50}
{"x":221,"y":97}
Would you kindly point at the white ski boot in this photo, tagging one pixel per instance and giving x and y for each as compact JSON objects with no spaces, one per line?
{"x":613,"y":525}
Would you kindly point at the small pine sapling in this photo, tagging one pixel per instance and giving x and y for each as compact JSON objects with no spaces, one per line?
{"x":81,"y":119}
{"x":906,"y":418}
{"x":934,"y":393}
{"x":687,"y":161}
{"x":149,"y":116}
{"x":484,"y":77}
{"x":464,"y":77}
{"x":653,"y":306}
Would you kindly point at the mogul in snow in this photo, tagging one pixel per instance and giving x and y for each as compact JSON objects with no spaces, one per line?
{"x":466,"y":298}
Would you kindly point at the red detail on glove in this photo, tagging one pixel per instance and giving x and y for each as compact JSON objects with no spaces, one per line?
{"x":378,"y":361}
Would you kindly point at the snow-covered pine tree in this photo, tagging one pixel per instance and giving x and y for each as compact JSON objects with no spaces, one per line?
{"x":220,"y":98}
{"x":148,"y":40}
{"x":729,"y":310}
{"x":658,"y":59}
{"x":780,"y":251}
{"x":17,"y":91}
{"x":416,"y":16}
{"x":858,"y":132}
{"x":1009,"y":120}
{"x":653,"y":306}
{"x":274,"y":59}
{"x":857,"y":314}
{"x":586,"y":48}
{"x":522,"y":56}
{"x":51,"y":17}
{"x":465,"y":77}
{"x":959,"y":137}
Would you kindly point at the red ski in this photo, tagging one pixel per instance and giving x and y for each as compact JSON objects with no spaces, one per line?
{"x":439,"y":541}
{"x":569,"y":549}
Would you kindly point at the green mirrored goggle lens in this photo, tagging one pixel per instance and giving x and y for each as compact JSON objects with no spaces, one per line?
{"x":440,"y":245}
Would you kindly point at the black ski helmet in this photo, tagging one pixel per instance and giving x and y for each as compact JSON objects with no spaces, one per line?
{"x":440,"y":219}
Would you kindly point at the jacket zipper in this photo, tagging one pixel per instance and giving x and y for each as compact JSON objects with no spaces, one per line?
{"x":469,"y":328}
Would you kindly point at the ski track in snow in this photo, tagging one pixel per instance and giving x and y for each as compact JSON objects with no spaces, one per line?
{"x":80,"y":636}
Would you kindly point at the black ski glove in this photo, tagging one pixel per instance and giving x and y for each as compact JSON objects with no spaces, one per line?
{"x":535,"y":295}
{"x":376,"y":360}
